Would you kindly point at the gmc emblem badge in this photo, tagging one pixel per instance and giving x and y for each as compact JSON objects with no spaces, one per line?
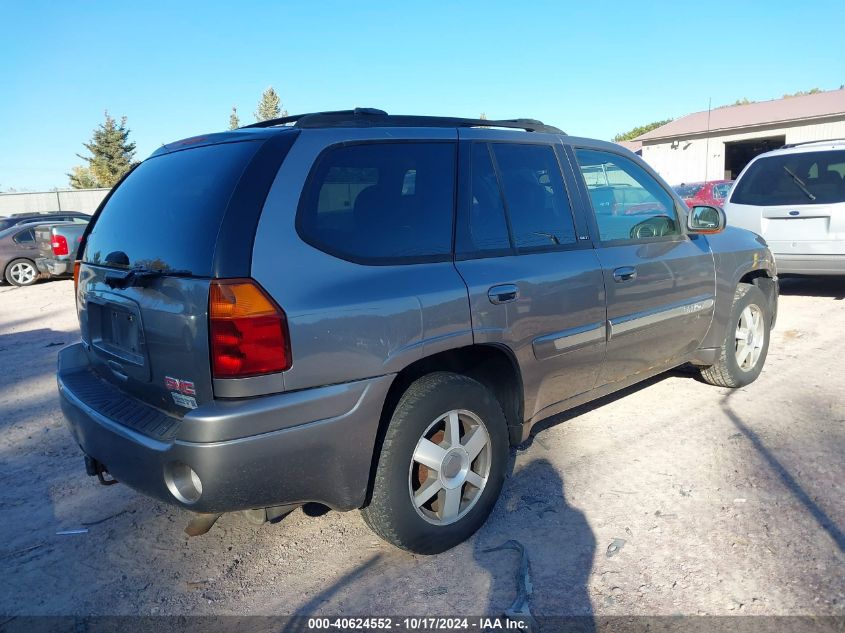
{"x":185,"y":387}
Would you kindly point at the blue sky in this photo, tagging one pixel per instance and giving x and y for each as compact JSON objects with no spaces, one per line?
{"x":175,"y":69}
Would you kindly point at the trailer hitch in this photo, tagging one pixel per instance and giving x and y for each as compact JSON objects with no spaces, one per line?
{"x":98,"y":470}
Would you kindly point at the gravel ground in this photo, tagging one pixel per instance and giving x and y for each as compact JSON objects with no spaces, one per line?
{"x":728,"y":502}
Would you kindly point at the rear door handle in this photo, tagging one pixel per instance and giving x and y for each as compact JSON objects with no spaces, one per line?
{"x":626,"y":273}
{"x":504,"y":293}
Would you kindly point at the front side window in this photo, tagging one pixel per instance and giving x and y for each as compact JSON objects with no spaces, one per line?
{"x":537,"y":204}
{"x":629,"y":204}
{"x":793,"y":179}
{"x":381,"y":202}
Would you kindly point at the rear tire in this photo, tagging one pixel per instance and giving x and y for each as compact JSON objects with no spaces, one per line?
{"x":442,"y":464}
{"x":743,"y":353}
{"x":21,"y":272}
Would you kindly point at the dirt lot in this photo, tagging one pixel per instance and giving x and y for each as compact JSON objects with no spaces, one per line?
{"x":727,"y":502}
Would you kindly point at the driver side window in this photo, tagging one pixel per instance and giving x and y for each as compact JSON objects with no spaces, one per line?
{"x":628,"y":203}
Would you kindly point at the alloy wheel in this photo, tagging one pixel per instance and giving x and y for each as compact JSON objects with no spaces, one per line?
{"x":450,"y":467}
{"x":23,"y":273}
{"x":750,"y":337}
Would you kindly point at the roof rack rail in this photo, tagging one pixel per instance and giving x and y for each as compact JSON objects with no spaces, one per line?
{"x":372,"y":117}
{"x":825,"y":140}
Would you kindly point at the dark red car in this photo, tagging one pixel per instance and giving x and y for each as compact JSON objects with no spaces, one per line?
{"x":711,"y":193}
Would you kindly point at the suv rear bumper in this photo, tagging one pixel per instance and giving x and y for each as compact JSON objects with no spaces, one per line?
{"x":305,"y":456}
{"x":810,"y":264}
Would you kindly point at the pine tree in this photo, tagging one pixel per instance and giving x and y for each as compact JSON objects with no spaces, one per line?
{"x":270,"y":106}
{"x":111,"y":157}
{"x":82,"y":178}
{"x":234,"y":121}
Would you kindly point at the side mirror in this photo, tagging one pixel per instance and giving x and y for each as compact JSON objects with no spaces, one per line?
{"x":705,"y":219}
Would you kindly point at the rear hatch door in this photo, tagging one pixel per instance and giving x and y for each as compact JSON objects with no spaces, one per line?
{"x":796,"y":201}
{"x":146,"y":267}
{"x":805,"y":229}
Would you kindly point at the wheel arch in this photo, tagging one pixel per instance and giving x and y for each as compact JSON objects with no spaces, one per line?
{"x":767,"y":282}
{"x":494,"y":366}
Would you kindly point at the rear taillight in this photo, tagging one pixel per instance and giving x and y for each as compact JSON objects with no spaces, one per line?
{"x":248,"y":331}
{"x":59,"y":245}
{"x":76,"y":277}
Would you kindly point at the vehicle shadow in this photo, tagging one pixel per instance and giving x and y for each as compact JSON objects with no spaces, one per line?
{"x":27,"y":382}
{"x":319,"y":600}
{"x":538,"y":551}
{"x":833,"y":287}
{"x":822,"y":519}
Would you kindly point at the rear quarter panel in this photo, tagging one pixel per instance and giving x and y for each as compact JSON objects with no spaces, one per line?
{"x":351,"y":321}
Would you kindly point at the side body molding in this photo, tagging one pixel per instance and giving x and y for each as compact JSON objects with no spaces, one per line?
{"x":638,"y":321}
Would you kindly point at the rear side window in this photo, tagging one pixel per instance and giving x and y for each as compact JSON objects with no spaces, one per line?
{"x":537,"y":203}
{"x":381,"y":203}
{"x":25,"y":237}
{"x":482,"y":228}
{"x":167,"y":213}
{"x":792,"y":179}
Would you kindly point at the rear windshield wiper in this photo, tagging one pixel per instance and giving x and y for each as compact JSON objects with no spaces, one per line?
{"x":140,"y":276}
{"x":799,"y":183}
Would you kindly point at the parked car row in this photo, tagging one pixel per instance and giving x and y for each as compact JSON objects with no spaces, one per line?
{"x":33,"y":246}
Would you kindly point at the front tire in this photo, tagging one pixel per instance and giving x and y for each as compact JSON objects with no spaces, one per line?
{"x":21,"y":272}
{"x":743,"y":354}
{"x":442,"y":464}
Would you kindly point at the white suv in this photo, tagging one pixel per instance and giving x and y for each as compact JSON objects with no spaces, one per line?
{"x":795,"y":198}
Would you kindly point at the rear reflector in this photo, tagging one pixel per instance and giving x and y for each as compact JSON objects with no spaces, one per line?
{"x":59,"y":245}
{"x":248,"y":331}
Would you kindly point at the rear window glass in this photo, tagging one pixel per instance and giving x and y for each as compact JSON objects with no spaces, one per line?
{"x":688,"y":190}
{"x":793,"y":179}
{"x":167,"y":213}
{"x":381,"y":202}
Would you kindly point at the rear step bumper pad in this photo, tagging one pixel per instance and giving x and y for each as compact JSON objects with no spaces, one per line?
{"x":306,"y":457}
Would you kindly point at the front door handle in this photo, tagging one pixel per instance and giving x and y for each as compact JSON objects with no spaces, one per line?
{"x":504,"y":293}
{"x":626,"y":273}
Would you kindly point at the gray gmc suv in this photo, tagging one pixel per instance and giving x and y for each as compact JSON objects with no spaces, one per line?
{"x":366,"y":311}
